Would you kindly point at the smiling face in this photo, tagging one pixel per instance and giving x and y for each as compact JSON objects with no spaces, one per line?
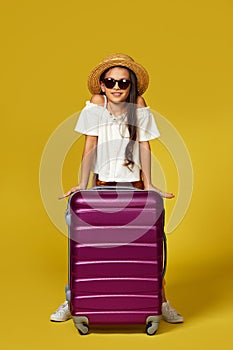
{"x":115,"y":94}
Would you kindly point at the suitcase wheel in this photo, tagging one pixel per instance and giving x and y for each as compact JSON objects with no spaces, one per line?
{"x":83,"y":329}
{"x":152,"y":324}
{"x":152,"y":327}
{"x":81,"y":323}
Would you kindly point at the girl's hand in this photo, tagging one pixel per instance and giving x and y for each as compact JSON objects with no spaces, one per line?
{"x":73,"y":189}
{"x":162,"y":193}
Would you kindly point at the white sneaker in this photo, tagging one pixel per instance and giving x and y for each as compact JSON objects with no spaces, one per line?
{"x":62,"y":313}
{"x":170,"y":315}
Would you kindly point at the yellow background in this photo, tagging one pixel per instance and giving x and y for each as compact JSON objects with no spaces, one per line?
{"x":47,"y":51}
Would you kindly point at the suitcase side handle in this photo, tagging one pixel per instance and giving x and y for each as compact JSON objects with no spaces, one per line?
{"x":164,"y":246}
{"x":164,"y":254}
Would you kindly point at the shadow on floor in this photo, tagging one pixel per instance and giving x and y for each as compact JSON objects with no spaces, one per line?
{"x":201,"y":288}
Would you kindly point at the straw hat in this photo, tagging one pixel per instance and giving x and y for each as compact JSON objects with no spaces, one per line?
{"x":113,"y":61}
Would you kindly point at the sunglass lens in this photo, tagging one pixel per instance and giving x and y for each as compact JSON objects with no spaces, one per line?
{"x":123,"y":84}
{"x":109,"y":83}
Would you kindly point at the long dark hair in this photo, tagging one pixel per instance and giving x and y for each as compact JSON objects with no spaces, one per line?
{"x":131,"y":116}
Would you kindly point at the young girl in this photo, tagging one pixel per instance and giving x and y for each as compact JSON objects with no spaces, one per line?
{"x":117,"y":126}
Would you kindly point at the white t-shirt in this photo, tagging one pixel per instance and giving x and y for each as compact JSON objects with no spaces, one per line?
{"x":113,"y":137}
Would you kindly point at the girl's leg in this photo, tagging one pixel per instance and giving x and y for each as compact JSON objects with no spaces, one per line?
{"x":168,"y":313}
{"x":163,"y":292}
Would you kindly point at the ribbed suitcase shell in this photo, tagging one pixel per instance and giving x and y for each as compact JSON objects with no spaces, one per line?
{"x":115,"y":255}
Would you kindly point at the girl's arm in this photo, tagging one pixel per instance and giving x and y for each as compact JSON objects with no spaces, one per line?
{"x":97,"y":99}
{"x":145,"y":157}
{"x":87,"y":161}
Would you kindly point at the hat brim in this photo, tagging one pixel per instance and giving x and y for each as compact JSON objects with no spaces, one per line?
{"x":140,"y":72}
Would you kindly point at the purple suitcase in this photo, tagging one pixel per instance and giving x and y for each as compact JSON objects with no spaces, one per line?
{"x":115,"y":257}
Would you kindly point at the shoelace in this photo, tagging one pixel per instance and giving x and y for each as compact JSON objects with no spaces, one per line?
{"x":171,"y":312}
{"x":61,"y":307}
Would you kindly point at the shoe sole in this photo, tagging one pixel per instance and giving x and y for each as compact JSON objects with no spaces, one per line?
{"x":173,"y":322}
{"x":53,"y":320}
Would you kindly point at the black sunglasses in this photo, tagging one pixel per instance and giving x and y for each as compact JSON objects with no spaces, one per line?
{"x":122,"y":83}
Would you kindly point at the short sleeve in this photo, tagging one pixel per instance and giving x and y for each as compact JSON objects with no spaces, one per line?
{"x":147,"y":128}
{"x":88,"y":121}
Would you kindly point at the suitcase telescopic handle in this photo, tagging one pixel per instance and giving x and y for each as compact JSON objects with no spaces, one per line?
{"x":121,"y":188}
